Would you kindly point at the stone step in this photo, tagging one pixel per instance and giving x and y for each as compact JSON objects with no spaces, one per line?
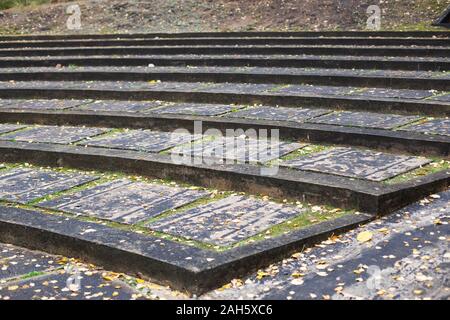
{"x":422,"y":102}
{"x":252,"y":34}
{"x":334,"y":77}
{"x":359,"y":41}
{"x":276,"y":61}
{"x":220,"y":50}
{"x":87,"y":203}
{"x":414,"y":135}
{"x":346,"y":177}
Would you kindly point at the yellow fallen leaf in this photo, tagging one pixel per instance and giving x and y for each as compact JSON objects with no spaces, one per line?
{"x":364,"y":236}
{"x":13,"y":288}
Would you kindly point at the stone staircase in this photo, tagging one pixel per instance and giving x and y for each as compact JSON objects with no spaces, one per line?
{"x":196,"y":158}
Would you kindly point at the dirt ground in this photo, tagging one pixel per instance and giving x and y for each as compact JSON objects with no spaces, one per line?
{"x":110,"y":16}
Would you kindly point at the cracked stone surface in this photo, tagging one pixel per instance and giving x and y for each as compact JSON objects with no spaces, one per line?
{"x":125,"y":201}
{"x":53,"y":134}
{"x":365,"y":119}
{"x":226,"y":221}
{"x":41,"y":104}
{"x":5,"y":127}
{"x":436,"y":126}
{"x":25,"y":185}
{"x":238,"y":149}
{"x":278,"y":113}
{"x":196,"y":109}
{"x":119,"y":106}
{"x":141,"y":140}
{"x":355,"y":163}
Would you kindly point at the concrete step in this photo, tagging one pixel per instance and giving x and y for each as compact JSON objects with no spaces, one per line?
{"x":346,"y":177}
{"x":403,"y":101}
{"x":415,"y":135}
{"x":333,"y":77}
{"x":220,"y":50}
{"x":359,"y":41}
{"x":252,"y":34}
{"x":275,"y":61}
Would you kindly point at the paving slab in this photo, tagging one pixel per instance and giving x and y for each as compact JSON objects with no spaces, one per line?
{"x":393,"y":93}
{"x":242,"y":88}
{"x":25,"y":185}
{"x":5,"y":102}
{"x":355,"y":163}
{"x":436,"y":126}
{"x":41,"y":104}
{"x":174,"y":85}
{"x":238,"y":149}
{"x":298,"y":90}
{"x":443,"y":98}
{"x":226,"y":221}
{"x":141,"y":140}
{"x":278,"y":113}
{"x":63,"y":286}
{"x":119,"y":106}
{"x":5,"y":127}
{"x":54,"y":134}
{"x":125,"y":201}
{"x":365,"y":119}
{"x":16,"y":263}
{"x":196,"y":109}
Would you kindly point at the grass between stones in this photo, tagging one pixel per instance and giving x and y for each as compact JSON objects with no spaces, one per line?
{"x":309,"y":216}
{"x":436,"y":166}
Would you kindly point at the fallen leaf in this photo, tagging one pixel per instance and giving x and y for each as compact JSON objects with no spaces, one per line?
{"x":364,"y":236}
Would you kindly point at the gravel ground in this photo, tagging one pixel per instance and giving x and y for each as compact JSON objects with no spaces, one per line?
{"x":110,"y":16}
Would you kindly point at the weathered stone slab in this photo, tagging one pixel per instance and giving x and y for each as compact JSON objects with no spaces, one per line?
{"x":24,"y":185}
{"x":125,"y":201}
{"x":141,"y":140}
{"x":226,"y":221}
{"x":243,"y":88}
{"x":41,"y":104}
{"x":393,"y":93}
{"x":5,"y":127}
{"x":54,"y":286}
{"x":196,"y":109}
{"x":16,"y":262}
{"x":278,"y":113}
{"x":299,"y":90}
{"x":53,"y":134}
{"x":119,"y":106}
{"x":355,"y":163}
{"x":239,"y":149}
{"x":443,"y":98}
{"x":176,"y":86}
{"x":5,"y":102}
{"x":365,"y":119}
{"x":436,"y":126}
